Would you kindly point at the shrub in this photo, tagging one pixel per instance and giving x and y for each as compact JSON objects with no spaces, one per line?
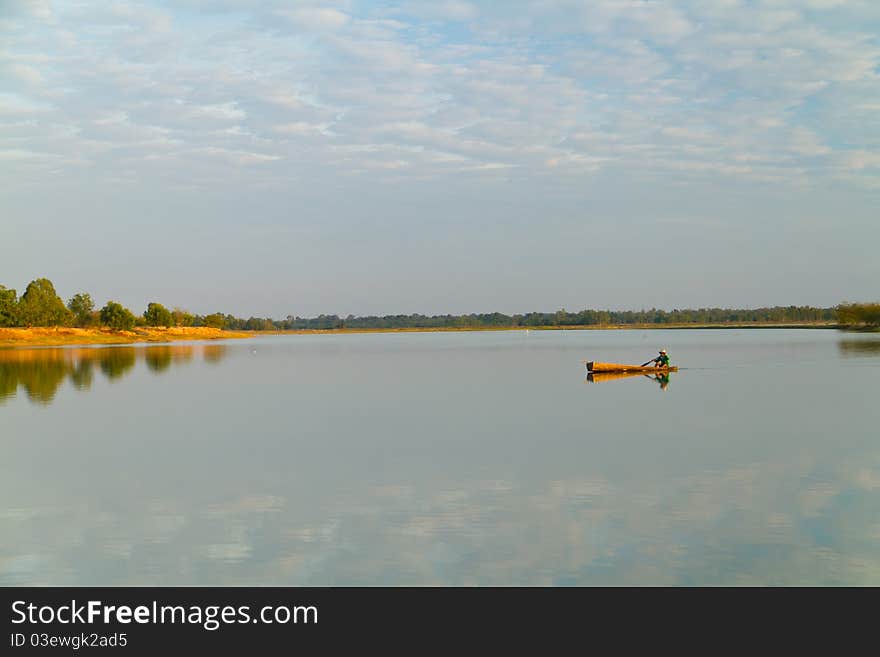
{"x":158,"y":315}
{"x":117,"y":317}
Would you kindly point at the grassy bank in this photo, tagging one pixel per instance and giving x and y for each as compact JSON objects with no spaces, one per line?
{"x":55,"y":336}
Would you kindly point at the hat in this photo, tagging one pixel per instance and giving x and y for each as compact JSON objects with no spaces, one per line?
{"x":662,"y":351}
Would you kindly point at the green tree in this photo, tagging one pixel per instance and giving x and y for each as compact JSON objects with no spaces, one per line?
{"x":117,"y":317}
{"x":853,"y":315}
{"x":8,"y":307}
{"x":158,"y":315}
{"x":82,"y":308}
{"x":40,"y":305}
{"x":258,"y":324}
{"x":181,"y":317}
{"x":216,"y":320}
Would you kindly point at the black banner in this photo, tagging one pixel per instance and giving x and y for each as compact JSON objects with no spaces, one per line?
{"x":135,"y":620}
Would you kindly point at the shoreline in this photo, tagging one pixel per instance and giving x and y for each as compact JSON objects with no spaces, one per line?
{"x":585,"y":327}
{"x":60,"y":336}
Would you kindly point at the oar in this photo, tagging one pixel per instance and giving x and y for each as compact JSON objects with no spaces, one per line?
{"x":646,"y":364}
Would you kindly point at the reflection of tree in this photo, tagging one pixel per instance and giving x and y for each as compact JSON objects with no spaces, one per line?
{"x":158,"y":359}
{"x":116,"y":361}
{"x":214,"y":353}
{"x":182,"y":353}
{"x":41,"y":381}
{"x":8,"y":383}
{"x":42,"y":371}
{"x":859,"y":347}
{"x":82,"y":374}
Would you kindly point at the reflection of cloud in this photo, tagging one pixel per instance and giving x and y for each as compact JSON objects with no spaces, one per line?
{"x":868,"y":479}
{"x":228,"y":551}
{"x":750,"y":525}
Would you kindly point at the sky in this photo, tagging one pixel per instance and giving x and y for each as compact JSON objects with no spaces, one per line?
{"x":296,"y":158}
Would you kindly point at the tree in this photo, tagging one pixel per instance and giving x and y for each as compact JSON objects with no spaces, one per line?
{"x":8,"y":307}
{"x":258,"y":324}
{"x":866,"y":315}
{"x":158,"y":315}
{"x":216,"y":320}
{"x":181,"y":317}
{"x":117,"y":316}
{"x":82,"y":308}
{"x":40,"y":305}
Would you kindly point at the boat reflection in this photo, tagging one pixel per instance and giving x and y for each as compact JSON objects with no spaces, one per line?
{"x":600,"y":377}
{"x":41,"y":372}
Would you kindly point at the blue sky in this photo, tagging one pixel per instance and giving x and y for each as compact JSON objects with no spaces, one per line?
{"x":274,"y":158}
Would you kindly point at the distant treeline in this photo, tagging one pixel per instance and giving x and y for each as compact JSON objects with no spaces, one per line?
{"x":40,"y":305}
{"x":776,"y":315}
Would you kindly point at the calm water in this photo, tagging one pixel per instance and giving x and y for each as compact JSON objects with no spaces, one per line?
{"x":451,"y":459}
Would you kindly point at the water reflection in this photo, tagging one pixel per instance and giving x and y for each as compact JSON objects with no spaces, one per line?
{"x":859,"y":347}
{"x":751,"y":524}
{"x":41,"y":372}
{"x":117,"y":362}
{"x":600,"y":377}
{"x":214,"y":353}
{"x":158,"y":359}
{"x":406,"y":460}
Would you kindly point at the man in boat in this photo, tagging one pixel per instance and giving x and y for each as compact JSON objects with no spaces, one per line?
{"x":662,"y":360}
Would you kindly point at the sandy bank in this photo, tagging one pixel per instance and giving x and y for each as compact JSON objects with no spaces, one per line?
{"x":53,"y":336}
{"x":15,"y":337}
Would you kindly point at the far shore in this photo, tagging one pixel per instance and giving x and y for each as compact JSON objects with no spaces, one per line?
{"x":574,"y":327}
{"x":59,"y":336}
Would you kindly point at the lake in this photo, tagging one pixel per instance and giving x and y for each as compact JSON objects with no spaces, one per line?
{"x":471,"y":458}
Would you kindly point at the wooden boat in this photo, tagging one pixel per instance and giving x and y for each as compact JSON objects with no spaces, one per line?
{"x":593,"y":366}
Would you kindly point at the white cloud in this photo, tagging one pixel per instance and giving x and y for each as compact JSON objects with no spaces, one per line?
{"x":313,"y":18}
{"x":221,"y":111}
{"x":41,"y":9}
{"x":25,"y":73}
{"x":301,"y":128}
{"x":721,"y":88}
{"x":805,"y":142}
{"x":14,"y":154}
{"x":18,"y":105}
{"x":236,"y":157}
{"x":450,"y":10}
{"x":859,"y":160}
